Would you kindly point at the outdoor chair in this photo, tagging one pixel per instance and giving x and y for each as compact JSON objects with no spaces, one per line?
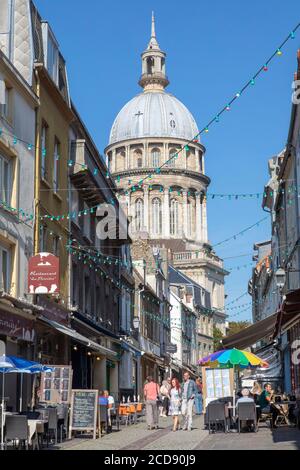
{"x":124,"y":413}
{"x":103,"y":418}
{"x":216,"y":416}
{"x":266,"y":416}
{"x":52,"y":425}
{"x":16,"y":429}
{"x":246,"y":412}
{"x":63,"y":414}
{"x":114,"y":415}
{"x":139,"y":411}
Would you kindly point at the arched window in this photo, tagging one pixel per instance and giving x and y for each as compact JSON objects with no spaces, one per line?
{"x":139,"y":214}
{"x":156,"y":216}
{"x":155,"y":157}
{"x":150,"y":65}
{"x":138,"y":158}
{"x":172,"y":153}
{"x":174,"y":217}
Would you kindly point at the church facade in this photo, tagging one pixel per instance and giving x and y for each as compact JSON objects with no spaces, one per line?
{"x":158,"y":163}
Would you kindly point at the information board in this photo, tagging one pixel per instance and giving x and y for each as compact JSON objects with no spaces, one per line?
{"x":217,"y":383}
{"x":83,"y":415}
{"x":56,"y":386}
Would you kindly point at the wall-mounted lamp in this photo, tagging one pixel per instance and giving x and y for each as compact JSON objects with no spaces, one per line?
{"x":280,"y":277}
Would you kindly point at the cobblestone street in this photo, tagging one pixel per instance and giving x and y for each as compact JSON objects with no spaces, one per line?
{"x":139,"y":438}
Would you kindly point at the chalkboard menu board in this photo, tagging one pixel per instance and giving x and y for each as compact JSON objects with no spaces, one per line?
{"x":83,"y":411}
{"x":56,"y":385}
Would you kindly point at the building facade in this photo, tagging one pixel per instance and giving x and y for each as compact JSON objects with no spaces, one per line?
{"x":157,"y":161}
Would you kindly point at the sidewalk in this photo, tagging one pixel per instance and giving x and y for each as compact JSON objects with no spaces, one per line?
{"x":137,"y":437}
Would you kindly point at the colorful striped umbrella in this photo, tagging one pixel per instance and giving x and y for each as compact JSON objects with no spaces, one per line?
{"x":233,"y":358}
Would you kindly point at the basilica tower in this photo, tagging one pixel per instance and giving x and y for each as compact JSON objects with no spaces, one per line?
{"x":158,"y":165}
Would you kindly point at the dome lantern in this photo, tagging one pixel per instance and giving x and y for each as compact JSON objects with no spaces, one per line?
{"x":153,"y":76}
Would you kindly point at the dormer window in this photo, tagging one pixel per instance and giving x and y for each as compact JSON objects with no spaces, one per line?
{"x":51,"y":52}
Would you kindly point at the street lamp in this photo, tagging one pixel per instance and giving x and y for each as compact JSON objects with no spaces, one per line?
{"x":280,"y":277}
{"x":136,"y":323}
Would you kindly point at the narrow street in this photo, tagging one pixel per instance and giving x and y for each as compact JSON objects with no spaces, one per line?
{"x":138,"y":438}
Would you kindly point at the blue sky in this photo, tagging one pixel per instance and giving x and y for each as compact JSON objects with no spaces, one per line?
{"x":213,"y":48}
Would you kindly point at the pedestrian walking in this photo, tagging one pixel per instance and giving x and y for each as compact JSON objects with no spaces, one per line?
{"x":151,"y":396}
{"x":165,"y":397}
{"x":189,"y":391}
{"x":199,"y":397}
{"x":175,"y":402}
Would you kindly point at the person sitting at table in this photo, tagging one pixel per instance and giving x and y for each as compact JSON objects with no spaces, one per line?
{"x":111,"y":407}
{"x":266,"y":405}
{"x":245,"y":398}
{"x":256,"y":391}
{"x":102,"y":400}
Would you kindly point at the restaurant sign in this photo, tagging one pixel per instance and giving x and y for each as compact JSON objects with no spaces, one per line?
{"x":16,"y":326}
{"x":43,"y":274}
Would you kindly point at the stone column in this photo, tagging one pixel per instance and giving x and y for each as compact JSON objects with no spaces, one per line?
{"x":127,"y":160}
{"x":128,"y":201}
{"x":204,"y":220}
{"x":197,"y":163}
{"x":166,"y":214}
{"x":198,"y":234}
{"x":145,"y":159}
{"x":185,"y":213}
{"x":186,"y":159}
{"x":114,"y":161}
{"x":146,"y":208}
{"x":165,"y":157}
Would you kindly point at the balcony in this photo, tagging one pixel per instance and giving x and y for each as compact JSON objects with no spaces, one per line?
{"x":188,"y":257}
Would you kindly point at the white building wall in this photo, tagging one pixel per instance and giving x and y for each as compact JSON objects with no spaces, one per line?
{"x":176,"y":329}
{"x":19,"y":235}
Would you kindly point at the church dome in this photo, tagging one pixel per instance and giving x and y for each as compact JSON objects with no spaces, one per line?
{"x":153,"y":114}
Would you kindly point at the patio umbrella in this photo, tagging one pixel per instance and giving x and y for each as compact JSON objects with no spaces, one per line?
{"x":233,"y":358}
{"x":24,"y":366}
{"x":5,"y":365}
{"x":12,"y":364}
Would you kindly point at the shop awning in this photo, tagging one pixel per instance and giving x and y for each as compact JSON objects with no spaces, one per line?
{"x":290,"y":312}
{"x":249,"y":336}
{"x":269,"y":327}
{"x":78,"y":337}
{"x":130,"y":347}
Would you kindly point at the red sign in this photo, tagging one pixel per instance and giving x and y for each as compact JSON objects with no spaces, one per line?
{"x":43,"y":274}
{"x":16,"y":326}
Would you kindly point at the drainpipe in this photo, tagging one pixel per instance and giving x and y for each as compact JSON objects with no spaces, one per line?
{"x":37,"y":170}
{"x":142,"y":289}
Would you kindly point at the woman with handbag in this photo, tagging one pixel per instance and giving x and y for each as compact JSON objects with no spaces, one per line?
{"x":165,"y":397}
{"x":175,"y":403}
{"x":151,"y":394}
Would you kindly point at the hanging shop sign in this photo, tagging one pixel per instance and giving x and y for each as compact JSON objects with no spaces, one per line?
{"x":43,"y":274}
{"x":171,"y":348}
{"x":16,"y":326}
